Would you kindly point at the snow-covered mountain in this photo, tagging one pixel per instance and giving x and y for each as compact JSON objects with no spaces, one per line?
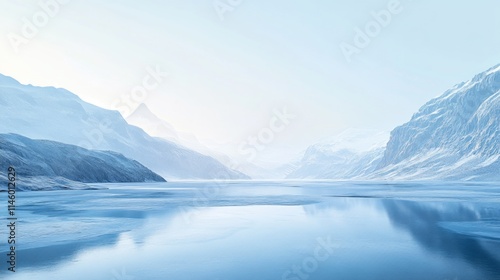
{"x":35,"y":158}
{"x":59,"y":115}
{"x":348,"y":155}
{"x":455,"y":136}
{"x":143,"y":117}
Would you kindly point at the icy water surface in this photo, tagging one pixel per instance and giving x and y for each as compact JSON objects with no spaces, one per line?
{"x":259,"y":230}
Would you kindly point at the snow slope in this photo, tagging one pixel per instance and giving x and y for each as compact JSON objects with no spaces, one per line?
{"x":143,"y":117}
{"x":453,"y":137}
{"x":59,"y":115}
{"x":52,"y":160}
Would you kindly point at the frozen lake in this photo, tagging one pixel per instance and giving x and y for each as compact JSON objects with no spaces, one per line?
{"x":259,"y":230}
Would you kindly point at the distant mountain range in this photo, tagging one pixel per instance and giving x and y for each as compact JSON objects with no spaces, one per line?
{"x":350,"y":154}
{"x":143,"y":117}
{"x":153,"y":125}
{"x":453,"y":137}
{"x":41,"y":159}
{"x":59,"y":115}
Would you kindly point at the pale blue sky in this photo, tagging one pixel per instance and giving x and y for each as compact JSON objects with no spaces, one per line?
{"x":227,"y":76}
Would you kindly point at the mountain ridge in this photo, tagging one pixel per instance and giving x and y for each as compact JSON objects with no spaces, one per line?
{"x":49,"y":159}
{"x":59,"y":115}
{"x":347,"y":155}
{"x":451,"y":136}
{"x":454,"y":136}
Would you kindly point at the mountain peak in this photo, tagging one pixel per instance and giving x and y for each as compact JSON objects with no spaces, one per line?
{"x":151,"y":123}
{"x":56,"y":114}
{"x":143,"y":112}
{"x":493,"y":69}
{"x":491,"y":72}
{"x":143,"y":109}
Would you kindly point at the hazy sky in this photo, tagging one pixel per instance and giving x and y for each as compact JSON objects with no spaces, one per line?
{"x":229,"y":68}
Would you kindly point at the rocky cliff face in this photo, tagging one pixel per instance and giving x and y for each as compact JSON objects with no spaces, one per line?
{"x":455,"y":136}
{"x":52,"y":159}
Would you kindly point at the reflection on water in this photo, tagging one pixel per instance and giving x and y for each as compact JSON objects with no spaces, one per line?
{"x":422,"y":221}
{"x":261,"y":231}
